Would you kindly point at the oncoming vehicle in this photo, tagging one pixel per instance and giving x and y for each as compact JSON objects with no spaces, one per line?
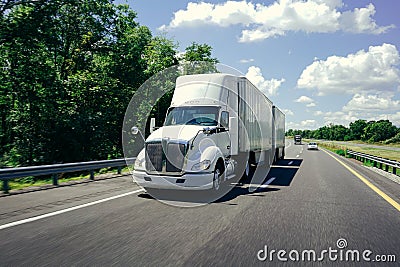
{"x":216,"y":124}
{"x":312,"y":146}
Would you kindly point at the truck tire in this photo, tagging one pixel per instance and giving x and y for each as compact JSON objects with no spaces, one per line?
{"x":217,"y":179}
{"x":248,"y":171}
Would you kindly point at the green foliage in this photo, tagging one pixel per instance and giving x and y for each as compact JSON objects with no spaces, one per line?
{"x":372,"y":131}
{"x":197,"y":59}
{"x":341,"y":152}
{"x":357,"y":129}
{"x":68,"y":70}
{"x":394,"y":140}
{"x":377,"y":131}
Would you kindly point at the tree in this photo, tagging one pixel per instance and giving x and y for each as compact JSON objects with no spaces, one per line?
{"x":377,"y":131}
{"x":339,"y":132}
{"x":197,"y":59}
{"x":357,"y":129}
{"x":68,"y":70}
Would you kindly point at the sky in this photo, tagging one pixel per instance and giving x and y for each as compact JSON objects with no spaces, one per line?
{"x":320,"y":61}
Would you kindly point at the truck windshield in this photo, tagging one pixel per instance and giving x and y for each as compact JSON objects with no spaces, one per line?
{"x":206,"y":116}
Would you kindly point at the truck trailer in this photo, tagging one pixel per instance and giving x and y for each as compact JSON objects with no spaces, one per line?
{"x":218,"y":127}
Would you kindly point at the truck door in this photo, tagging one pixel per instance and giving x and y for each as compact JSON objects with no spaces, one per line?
{"x":223,"y":140}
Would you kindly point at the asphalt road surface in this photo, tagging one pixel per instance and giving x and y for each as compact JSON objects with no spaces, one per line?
{"x":312,"y":203}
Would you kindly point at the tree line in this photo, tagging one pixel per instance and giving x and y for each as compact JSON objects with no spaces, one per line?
{"x":368,"y":131}
{"x":68,"y":69}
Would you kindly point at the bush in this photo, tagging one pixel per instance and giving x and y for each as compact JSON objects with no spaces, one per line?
{"x":394,"y":139}
{"x":341,"y":152}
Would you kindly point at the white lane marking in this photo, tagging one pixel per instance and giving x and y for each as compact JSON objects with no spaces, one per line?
{"x":288,"y":143}
{"x":265,"y":185}
{"x":297,"y":156}
{"x":290,"y":163}
{"x":32,"y":219}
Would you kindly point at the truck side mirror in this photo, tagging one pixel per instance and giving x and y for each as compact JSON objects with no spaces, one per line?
{"x":152,"y":125}
{"x":134,"y":130}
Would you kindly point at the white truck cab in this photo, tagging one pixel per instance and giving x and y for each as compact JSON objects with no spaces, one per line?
{"x":212,"y":120}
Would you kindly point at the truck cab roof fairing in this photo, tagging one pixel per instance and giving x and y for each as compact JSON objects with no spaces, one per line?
{"x":203,"y":89}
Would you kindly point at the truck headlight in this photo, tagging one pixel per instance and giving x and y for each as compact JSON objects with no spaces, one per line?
{"x":139,"y":163}
{"x":201,"y":166}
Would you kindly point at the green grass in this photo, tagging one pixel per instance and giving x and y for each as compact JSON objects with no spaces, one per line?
{"x":340,"y":150}
{"x":26,"y":182}
{"x":379,"y":152}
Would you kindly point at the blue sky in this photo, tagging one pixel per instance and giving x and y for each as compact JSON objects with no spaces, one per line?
{"x":321,"y":61}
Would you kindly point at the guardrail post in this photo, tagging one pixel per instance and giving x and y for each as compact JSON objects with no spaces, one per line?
{"x":387,"y":168}
{"x":380,"y":165}
{"x":375,"y":163}
{"x":119,"y":169}
{"x":5,"y":186}
{"x":91,"y":175}
{"x":55,"y":179}
{"x":394,"y":170}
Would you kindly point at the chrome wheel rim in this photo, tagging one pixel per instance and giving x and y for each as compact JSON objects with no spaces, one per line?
{"x":217,"y":179}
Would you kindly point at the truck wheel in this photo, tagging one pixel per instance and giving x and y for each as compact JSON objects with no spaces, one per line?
{"x":217,"y":179}
{"x":247,"y":171}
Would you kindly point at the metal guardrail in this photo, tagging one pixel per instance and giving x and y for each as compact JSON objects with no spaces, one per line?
{"x":376,"y":160}
{"x":55,"y":169}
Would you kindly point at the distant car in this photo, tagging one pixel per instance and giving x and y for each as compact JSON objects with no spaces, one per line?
{"x":312,"y":146}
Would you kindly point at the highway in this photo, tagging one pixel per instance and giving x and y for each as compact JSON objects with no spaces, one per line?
{"x":312,"y":202}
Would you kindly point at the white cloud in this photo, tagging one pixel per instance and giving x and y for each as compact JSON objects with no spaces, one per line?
{"x":371,"y":71}
{"x":259,"y":35}
{"x":359,"y":21}
{"x":362,"y":102}
{"x":308,"y":123}
{"x":287,"y":112}
{"x":246,"y":60}
{"x":305,"y":124}
{"x":268,"y":87}
{"x":306,"y":100}
{"x":340,"y":117}
{"x":367,"y":107}
{"x":260,"y":21}
{"x":195,"y":13}
{"x":393,"y":117}
{"x":310,"y":105}
{"x":345,"y":117}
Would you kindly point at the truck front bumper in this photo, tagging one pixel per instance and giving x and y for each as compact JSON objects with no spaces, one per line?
{"x":188,"y":181}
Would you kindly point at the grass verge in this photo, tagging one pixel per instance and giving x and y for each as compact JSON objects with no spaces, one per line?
{"x":26,"y":182}
{"x":378,"y":152}
{"x":341,"y":150}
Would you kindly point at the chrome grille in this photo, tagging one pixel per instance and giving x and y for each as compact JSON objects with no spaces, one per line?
{"x":175,"y":157}
{"x":171,"y":159}
{"x":154,"y":157}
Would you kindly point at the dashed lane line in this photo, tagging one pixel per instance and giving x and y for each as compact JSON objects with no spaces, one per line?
{"x":32,"y":219}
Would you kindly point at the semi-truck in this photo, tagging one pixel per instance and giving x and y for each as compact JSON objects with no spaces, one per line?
{"x":218,"y":126}
{"x":297,"y":139}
